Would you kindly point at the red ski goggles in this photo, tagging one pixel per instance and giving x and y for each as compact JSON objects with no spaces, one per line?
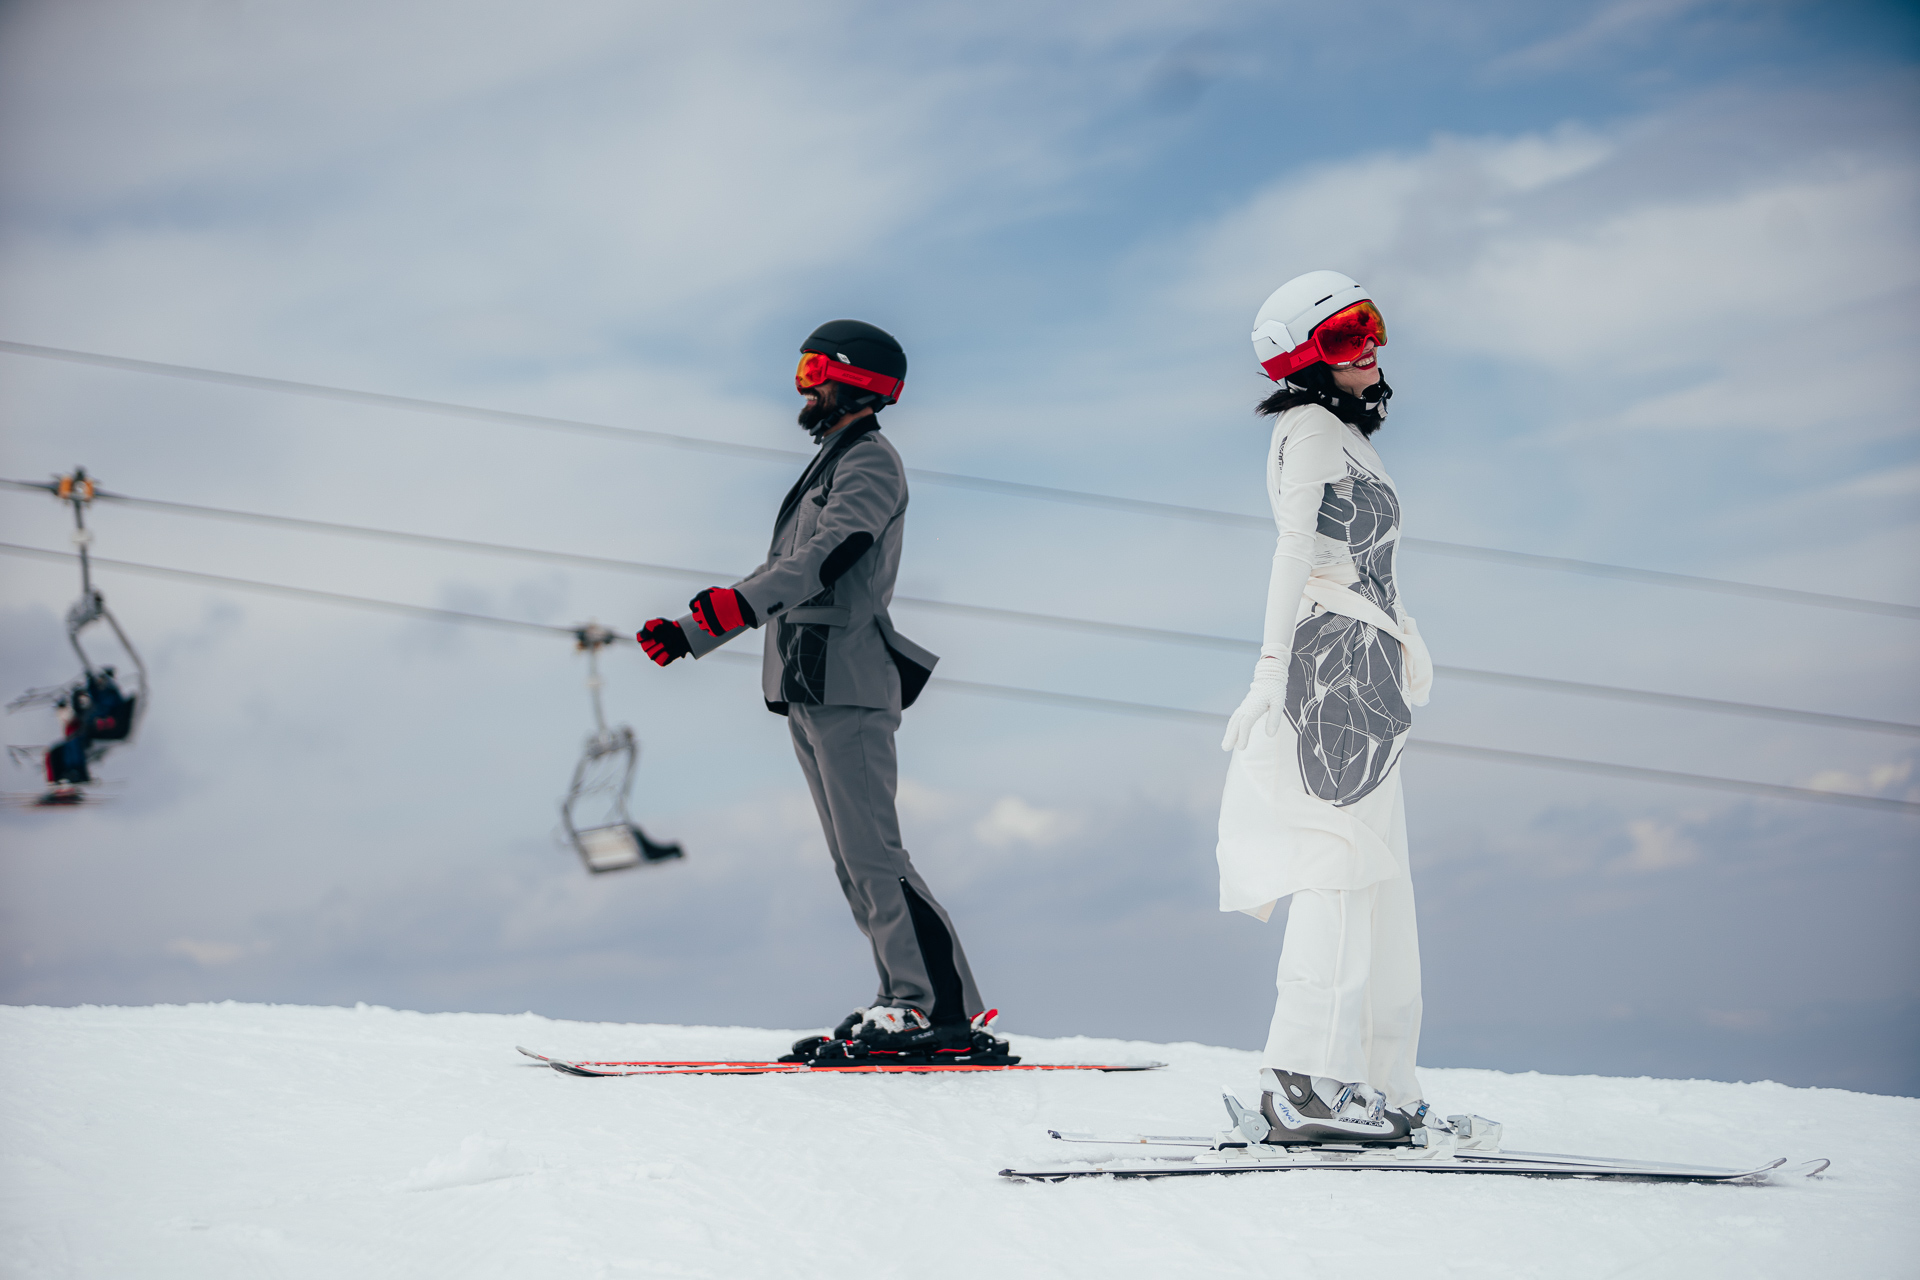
{"x":1341,"y":338}
{"x":816,"y":368}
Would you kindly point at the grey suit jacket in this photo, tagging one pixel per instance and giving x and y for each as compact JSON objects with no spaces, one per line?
{"x":827,"y":581}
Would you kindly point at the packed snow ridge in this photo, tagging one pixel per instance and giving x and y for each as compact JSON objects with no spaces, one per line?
{"x":231,"y":1140}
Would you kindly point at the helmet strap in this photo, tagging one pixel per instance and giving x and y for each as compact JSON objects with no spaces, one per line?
{"x":847,"y":399}
{"x":1364,"y":412}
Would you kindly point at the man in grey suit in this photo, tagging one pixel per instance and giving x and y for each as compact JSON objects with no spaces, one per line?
{"x":841,"y":674}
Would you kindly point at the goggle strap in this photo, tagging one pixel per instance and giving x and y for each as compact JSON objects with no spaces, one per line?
{"x":864,"y":378}
{"x":853,"y":375}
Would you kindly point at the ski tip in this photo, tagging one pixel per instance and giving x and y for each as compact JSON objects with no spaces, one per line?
{"x":1026,"y":1175}
{"x":537,"y":1057}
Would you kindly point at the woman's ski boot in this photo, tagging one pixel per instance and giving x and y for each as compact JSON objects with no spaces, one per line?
{"x":1314,"y":1110}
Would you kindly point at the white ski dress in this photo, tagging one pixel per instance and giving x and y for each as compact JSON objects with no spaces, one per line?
{"x":1317,"y":805}
{"x":1315,"y":809}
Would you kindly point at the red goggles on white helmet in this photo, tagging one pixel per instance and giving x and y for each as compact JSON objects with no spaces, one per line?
{"x":1341,"y":338}
{"x":1319,"y":317}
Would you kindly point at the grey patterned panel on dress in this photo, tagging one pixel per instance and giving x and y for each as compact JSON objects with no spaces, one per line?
{"x":1364,"y":512}
{"x":1344,"y":694}
{"x":1344,"y":700}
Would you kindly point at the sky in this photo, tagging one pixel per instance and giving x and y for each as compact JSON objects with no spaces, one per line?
{"x":1652,"y":286}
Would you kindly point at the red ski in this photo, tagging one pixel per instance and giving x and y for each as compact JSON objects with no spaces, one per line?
{"x":724,"y":1067}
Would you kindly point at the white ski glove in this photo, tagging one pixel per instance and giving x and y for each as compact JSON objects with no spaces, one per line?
{"x":1266,"y":696}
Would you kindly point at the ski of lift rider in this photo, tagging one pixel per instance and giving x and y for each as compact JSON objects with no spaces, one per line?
{"x":607,"y":768}
{"x":95,"y":710}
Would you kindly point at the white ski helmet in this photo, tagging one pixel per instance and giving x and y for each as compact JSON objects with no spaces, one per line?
{"x":1283,"y":331}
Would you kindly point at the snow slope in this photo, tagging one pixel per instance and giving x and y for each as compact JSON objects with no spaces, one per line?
{"x":230,"y":1140}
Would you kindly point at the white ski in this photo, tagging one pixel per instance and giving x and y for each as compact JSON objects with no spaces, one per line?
{"x":1460,"y":1144}
{"x":1280,"y":1159}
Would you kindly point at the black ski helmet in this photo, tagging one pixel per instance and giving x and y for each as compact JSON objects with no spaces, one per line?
{"x":863,"y":346}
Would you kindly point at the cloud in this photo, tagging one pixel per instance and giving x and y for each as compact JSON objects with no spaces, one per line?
{"x":1610,"y":23}
{"x":207,"y":955}
{"x":1888,"y":779}
{"x":1012,"y":820}
{"x":1657,"y":846}
{"x":1743,"y":285}
{"x":475,"y":191}
{"x":1575,"y":253}
{"x":918,"y":802}
{"x":1740,"y":1019}
{"x":1382,"y":213}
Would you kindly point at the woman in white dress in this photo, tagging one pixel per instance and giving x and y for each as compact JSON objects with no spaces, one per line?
{"x":1312,"y":808}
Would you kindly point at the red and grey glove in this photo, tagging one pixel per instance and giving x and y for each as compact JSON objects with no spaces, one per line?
{"x":664,"y":641}
{"x":719,"y":610}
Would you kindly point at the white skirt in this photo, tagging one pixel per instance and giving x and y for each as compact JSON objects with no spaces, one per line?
{"x":1276,"y":837}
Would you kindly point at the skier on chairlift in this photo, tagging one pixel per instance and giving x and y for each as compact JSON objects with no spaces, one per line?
{"x":841,"y":674}
{"x":67,"y":759}
{"x":93,"y":711}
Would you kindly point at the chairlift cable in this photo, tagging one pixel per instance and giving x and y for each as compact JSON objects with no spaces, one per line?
{"x":392,"y":535}
{"x":984,"y":484}
{"x":1574,"y":688}
{"x":304,"y":593}
{"x":1492,"y":754}
{"x":1148,"y":710}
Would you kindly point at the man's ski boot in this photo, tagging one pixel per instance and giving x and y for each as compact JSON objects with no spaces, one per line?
{"x":1312,"y":1110}
{"x":890,"y":1034}
{"x":897,"y":1035}
{"x":804,"y":1049}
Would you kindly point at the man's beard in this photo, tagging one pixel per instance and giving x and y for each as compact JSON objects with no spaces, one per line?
{"x":819,"y":412}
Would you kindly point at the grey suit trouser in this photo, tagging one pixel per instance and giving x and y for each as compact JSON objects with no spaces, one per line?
{"x":848,"y":757}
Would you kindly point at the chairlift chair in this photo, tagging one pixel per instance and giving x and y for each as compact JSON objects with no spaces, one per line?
{"x":604,"y":778}
{"x":98,"y":711}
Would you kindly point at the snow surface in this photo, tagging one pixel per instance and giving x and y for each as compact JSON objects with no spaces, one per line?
{"x":210,"y":1141}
